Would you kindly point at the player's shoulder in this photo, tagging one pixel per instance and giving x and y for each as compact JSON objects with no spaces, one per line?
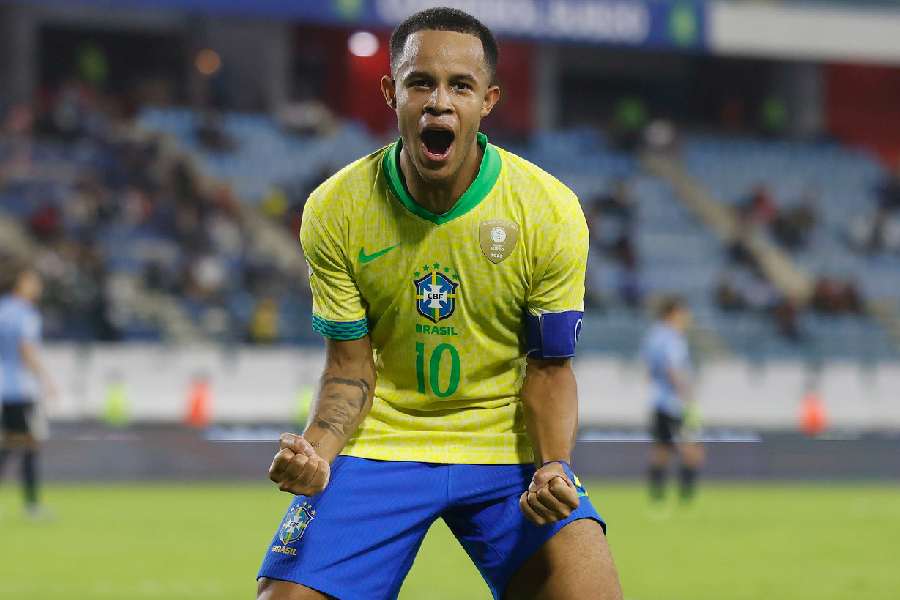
{"x":350,"y":185}
{"x":655,"y":334}
{"x":10,"y":303}
{"x":532,"y":184}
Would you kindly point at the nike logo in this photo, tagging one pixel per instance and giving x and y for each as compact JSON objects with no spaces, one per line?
{"x":364,"y":258}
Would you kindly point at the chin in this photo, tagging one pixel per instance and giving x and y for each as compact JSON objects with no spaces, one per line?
{"x":435,"y":173}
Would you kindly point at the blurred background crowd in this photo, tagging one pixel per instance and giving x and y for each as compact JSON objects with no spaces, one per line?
{"x":155,"y":159}
{"x":157,"y":171}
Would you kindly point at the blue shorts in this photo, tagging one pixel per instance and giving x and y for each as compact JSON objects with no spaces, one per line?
{"x":357,"y":539}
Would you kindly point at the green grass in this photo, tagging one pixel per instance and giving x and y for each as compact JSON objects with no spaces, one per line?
{"x":743,"y":542}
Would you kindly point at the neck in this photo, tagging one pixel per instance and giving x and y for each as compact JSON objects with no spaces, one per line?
{"x":439,"y":197}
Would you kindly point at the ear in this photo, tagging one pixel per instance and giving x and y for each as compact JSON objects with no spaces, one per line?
{"x":491,"y":96}
{"x":389,"y":89}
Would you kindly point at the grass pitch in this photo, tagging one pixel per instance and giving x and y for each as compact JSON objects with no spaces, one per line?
{"x":741,"y":542}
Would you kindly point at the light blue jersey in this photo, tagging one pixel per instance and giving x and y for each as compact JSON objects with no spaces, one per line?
{"x":665,"y":348}
{"x":20,"y":322}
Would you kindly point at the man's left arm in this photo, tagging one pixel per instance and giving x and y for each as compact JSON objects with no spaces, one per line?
{"x":28,"y":352}
{"x":550,"y":406}
{"x":554,"y":310}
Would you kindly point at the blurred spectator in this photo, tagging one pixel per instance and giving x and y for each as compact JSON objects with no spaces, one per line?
{"x":773,"y":115}
{"x":660,"y":135}
{"x":619,"y":203}
{"x":835,"y":297}
{"x":869,"y":233}
{"x":741,"y":288}
{"x":889,"y":191}
{"x":264,"y":325}
{"x":629,"y":118}
{"x":75,"y":111}
{"x":275,"y":204}
{"x":860,"y":232}
{"x":739,"y":251}
{"x":785,"y":314}
{"x":760,"y":209}
{"x":211,"y":135}
{"x":19,"y":121}
{"x":611,"y":220}
{"x":793,"y":227}
{"x":630,"y":290}
{"x":306,"y":118}
{"x":727,"y":296}
{"x":45,"y":223}
{"x":887,"y":231}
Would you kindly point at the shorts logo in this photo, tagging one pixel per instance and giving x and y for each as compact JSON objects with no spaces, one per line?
{"x":436,"y":294}
{"x":296,"y":522}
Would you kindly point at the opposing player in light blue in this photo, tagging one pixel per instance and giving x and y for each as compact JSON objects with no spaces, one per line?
{"x":675,"y":420}
{"x":23,"y":380}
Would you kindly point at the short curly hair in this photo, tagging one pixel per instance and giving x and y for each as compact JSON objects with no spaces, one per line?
{"x":445,"y":19}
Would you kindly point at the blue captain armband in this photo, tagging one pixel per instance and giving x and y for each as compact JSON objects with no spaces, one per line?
{"x":552,"y":335}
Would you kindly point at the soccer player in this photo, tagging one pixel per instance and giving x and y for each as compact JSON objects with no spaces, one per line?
{"x":23,"y":379}
{"x":673,"y":421}
{"x":448,"y":281}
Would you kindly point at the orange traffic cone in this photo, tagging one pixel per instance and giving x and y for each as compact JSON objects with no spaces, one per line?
{"x":813,"y":416}
{"x":199,"y":403}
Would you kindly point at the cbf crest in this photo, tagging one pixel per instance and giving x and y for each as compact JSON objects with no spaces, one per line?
{"x":436,"y":293}
{"x":296,"y":523}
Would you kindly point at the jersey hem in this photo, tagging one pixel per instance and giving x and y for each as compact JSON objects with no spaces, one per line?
{"x":389,"y":448}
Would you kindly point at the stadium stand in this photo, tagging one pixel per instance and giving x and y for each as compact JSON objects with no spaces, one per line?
{"x":836,"y":186}
{"x":184,"y":215}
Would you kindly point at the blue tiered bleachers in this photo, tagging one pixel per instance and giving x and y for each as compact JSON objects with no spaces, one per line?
{"x":264,"y":154}
{"x":847,"y":180}
{"x":49,"y":182}
{"x":676,"y":254}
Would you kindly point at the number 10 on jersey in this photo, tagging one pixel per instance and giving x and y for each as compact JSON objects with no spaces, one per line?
{"x":432,"y":378}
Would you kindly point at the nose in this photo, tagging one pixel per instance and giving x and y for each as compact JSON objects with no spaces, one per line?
{"x":439,"y":101}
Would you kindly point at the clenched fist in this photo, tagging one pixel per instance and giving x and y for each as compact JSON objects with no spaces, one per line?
{"x":551,"y":497}
{"x":297,"y":468}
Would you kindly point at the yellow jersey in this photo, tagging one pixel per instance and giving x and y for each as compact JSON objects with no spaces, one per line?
{"x":445,"y":299}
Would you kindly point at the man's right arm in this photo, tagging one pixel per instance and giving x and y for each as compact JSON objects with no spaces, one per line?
{"x":680,"y":383}
{"x":303,"y":464}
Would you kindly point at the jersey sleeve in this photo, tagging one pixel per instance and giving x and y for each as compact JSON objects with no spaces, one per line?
{"x":339,"y":311}
{"x":675,"y":354}
{"x":31,"y":327}
{"x":555,"y":303}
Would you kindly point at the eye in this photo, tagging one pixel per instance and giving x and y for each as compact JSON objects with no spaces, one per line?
{"x":418,"y":83}
{"x":462,"y":86}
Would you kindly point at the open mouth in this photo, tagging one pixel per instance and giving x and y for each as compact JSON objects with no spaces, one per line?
{"x":436,"y":143}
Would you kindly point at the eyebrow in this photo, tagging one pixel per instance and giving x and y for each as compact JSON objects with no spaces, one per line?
{"x":454,"y":77}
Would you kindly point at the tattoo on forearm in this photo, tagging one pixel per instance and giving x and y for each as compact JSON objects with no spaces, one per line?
{"x":341,"y":401}
{"x":362,"y":384}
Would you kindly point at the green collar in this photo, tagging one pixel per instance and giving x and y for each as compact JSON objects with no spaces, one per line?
{"x":478,"y":191}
